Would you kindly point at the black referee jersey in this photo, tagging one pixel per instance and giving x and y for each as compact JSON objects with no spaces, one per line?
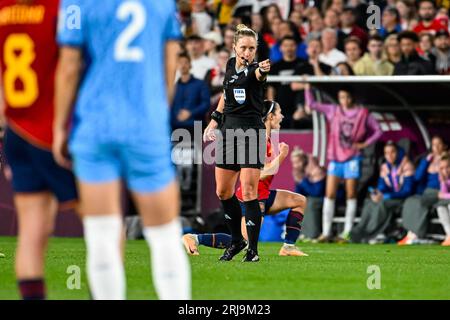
{"x":243,"y":93}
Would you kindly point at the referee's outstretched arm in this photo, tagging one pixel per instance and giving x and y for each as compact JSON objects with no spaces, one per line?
{"x":263,"y":70}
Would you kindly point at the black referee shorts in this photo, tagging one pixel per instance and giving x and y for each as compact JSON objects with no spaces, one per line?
{"x":241,"y":143}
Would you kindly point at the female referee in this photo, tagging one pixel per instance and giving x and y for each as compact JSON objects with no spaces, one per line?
{"x":240,"y":114}
{"x":272,"y":202}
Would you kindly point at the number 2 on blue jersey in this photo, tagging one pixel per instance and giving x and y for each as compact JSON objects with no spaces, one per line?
{"x":122,"y":49}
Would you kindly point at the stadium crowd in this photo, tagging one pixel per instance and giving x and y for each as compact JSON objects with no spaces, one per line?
{"x":322,"y":37}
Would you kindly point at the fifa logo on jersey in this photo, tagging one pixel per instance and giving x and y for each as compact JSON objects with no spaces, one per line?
{"x":70,"y":18}
{"x":239,"y":95}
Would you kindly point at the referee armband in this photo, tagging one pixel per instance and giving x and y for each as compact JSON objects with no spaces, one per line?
{"x":217,"y":116}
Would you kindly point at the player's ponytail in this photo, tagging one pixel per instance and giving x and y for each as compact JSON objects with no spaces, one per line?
{"x":269,"y":107}
{"x":243,"y":31}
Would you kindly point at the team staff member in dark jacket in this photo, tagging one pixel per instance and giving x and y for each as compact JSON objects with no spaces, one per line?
{"x":240,"y":107}
{"x":191,"y":100}
{"x":411,"y":63}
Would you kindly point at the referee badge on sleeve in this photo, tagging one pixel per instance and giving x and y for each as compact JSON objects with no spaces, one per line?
{"x":239,"y":95}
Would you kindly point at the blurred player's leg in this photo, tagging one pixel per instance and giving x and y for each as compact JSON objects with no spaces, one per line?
{"x":37,"y":183}
{"x":328,"y":207}
{"x":350,"y":209}
{"x":162,"y":230}
{"x":36,"y":213}
{"x":103,"y":228}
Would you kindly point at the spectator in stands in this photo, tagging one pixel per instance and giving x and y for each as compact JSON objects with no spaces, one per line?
{"x":257,"y":26}
{"x":391,"y":49}
{"x":285,"y":29}
{"x":411,"y":63}
{"x":212,"y":41}
{"x":427,"y":21}
{"x":395,"y":184}
{"x":272,"y":38}
{"x":281,"y":91}
{"x":442,"y":52}
{"x":191,"y":100}
{"x":202,"y":22}
{"x":390,"y":21}
{"x":296,"y":18}
{"x":184,"y":13}
{"x":407,"y":12}
{"x":337,"y":5}
{"x":242,"y":14}
{"x":416,"y":208}
{"x":330,"y":55}
{"x":228,"y":39}
{"x":316,"y":26}
{"x":425,"y":47}
{"x":349,"y":27}
{"x":257,"y":22}
{"x":352,"y":50}
{"x":443,"y":206}
{"x":442,"y":14}
{"x":343,"y":69}
{"x":352,"y":129}
{"x":373,"y":63}
{"x":313,"y":67}
{"x":299,"y":6}
{"x":214,"y":78}
{"x":331,"y":20}
{"x":199,"y":61}
{"x":270,"y":14}
{"x":360,"y":10}
{"x":224,"y":10}
{"x":309,"y":179}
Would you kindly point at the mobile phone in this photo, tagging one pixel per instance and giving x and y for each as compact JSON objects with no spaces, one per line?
{"x":372,"y":190}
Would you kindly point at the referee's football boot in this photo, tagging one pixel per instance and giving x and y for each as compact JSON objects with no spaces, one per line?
{"x":251,"y":256}
{"x":233,"y":250}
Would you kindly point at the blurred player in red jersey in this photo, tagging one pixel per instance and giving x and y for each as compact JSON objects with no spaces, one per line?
{"x":271,"y":201}
{"x":28,"y":64}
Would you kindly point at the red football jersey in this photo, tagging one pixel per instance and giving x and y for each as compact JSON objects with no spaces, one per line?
{"x":263,"y":185}
{"x":28,"y":64}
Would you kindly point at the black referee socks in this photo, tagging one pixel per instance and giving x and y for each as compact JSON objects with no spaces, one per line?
{"x":253,"y":222}
{"x":233,"y":217}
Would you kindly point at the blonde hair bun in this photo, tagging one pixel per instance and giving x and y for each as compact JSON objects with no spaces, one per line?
{"x":243,"y":31}
{"x":241,"y":26}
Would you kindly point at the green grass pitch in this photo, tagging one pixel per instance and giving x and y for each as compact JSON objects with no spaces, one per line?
{"x":330,"y":272}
